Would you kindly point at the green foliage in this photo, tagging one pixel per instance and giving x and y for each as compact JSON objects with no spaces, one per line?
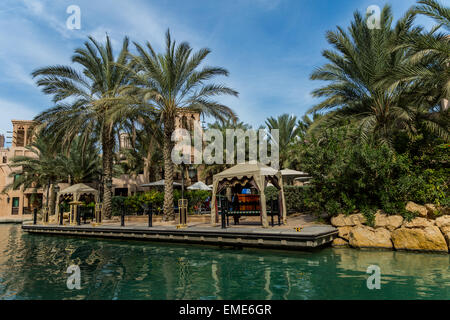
{"x":295,"y":197}
{"x":134,"y":204}
{"x":349,"y":175}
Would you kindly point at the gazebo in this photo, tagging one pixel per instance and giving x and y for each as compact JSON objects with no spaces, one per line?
{"x":256,"y":174}
{"x":76,"y":191}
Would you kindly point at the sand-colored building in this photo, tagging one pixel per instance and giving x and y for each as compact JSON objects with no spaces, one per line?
{"x":17,"y":203}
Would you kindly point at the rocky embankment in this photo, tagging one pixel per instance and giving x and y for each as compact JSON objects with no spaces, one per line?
{"x":427,"y":232}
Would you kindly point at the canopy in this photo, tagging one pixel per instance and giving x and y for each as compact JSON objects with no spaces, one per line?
{"x":290,"y":172}
{"x":159,"y":183}
{"x":258,"y":175}
{"x":77,"y":190}
{"x":199,"y":186}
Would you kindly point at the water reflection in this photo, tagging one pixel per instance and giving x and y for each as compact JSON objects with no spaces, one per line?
{"x":33,"y":267}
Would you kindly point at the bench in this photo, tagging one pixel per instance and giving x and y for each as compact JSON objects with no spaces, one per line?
{"x":237,"y":214}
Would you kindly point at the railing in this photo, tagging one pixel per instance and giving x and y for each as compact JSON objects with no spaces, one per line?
{"x":15,"y":211}
{"x":27,"y":211}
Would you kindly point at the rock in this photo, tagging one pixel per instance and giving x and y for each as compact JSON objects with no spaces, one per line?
{"x":414,"y":207}
{"x":418,"y":223}
{"x":389,"y":222}
{"x":344,"y":232}
{"x":432,"y":211}
{"x":343,"y":220}
{"x":443,"y":221}
{"x":367,"y":237}
{"x":419,"y":239}
{"x":446,"y":232}
{"x":338,"y":242}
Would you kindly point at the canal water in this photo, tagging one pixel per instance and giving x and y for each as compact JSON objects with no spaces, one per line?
{"x":34,"y":267}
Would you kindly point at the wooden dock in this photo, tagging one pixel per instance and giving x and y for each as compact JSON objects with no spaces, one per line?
{"x":275,"y":238}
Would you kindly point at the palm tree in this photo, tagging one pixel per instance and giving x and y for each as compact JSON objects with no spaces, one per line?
{"x":84,"y":99}
{"x":222,"y":126}
{"x":427,"y":67}
{"x":360,"y":59}
{"x":144,"y":156}
{"x":288,"y":132}
{"x":81,"y":162}
{"x":173,"y":81}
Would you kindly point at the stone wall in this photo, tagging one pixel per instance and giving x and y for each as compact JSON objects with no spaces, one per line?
{"x":427,"y":232}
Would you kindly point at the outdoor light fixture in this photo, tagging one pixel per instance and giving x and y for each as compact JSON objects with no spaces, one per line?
{"x":192,"y":171}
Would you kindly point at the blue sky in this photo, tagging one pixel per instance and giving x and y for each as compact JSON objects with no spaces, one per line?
{"x":270,"y":47}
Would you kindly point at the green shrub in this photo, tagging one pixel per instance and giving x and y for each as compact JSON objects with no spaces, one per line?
{"x":294,"y":195}
{"x":349,"y":175}
{"x":134,"y":204}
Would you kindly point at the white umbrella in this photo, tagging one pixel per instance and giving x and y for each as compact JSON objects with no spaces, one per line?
{"x":290,"y":172}
{"x":199,"y":186}
{"x":159,"y":183}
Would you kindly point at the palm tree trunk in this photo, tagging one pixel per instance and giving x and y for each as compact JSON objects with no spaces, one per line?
{"x":52,"y":200}
{"x":147,"y":165}
{"x":168,"y":170}
{"x":107,"y":148}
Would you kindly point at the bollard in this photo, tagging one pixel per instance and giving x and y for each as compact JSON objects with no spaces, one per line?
{"x":122,"y":217}
{"x":78,"y":215}
{"x":272,"y":210}
{"x":224,"y":213}
{"x":150,"y":215}
{"x":34,"y":215}
{"x":61,"y":215}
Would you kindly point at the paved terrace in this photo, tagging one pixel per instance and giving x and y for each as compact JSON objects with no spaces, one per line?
{"x":247,"y":234}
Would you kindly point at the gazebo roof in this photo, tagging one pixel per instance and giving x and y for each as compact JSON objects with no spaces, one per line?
{"x":290,"y":172}
{"x":246,"y":169}
{"x":199,"y":186}
{"x":159,"y":183}
{"x":79,"y":188}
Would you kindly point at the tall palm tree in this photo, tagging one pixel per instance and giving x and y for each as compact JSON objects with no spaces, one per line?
{"x":174,"y":81}
{"x":360,"y":59}
{"x":288,"y":132}
{"x":83,"y":99}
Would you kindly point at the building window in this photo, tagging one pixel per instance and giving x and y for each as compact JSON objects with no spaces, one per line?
{"x":15,"y":205}
{"x":16,"y":177}
{"x":5,"y":159}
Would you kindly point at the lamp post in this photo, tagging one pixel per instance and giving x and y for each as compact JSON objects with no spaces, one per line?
{"x":192,"y":171}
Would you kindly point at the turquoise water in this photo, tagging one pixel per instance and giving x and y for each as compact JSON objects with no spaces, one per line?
{"x":34,"y":267}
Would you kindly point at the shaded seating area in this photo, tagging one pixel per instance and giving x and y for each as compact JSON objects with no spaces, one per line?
{"x":75,"y":195}
{"x":253,"y":175}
